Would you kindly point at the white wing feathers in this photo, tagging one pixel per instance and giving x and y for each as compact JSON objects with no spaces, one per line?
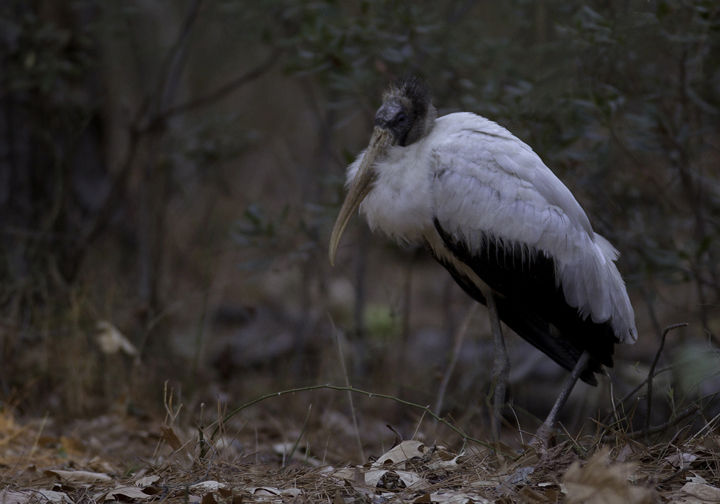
{"x":488,"y":181}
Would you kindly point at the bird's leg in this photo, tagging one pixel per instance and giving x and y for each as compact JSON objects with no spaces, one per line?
{"x":548,"y":427}
{"x":501,"y":367}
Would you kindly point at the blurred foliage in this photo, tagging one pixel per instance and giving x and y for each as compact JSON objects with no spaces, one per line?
{"x":136,"y":138}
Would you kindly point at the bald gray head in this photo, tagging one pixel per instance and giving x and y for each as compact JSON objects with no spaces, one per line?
{"x":405,"y":117}
{"x":407,"y":111}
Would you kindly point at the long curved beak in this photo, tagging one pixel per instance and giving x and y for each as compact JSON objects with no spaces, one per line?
{"x":380,"y":141}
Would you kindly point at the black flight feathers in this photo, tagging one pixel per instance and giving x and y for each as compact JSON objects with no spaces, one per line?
{"x":531,"y":303}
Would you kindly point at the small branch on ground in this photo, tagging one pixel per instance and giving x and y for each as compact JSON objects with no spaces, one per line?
{"x":690,"y":412}
{"x":459,"y":339}
{"x":651,"y":374}
{"x":347,"y":384}
{"x":426,"y":409}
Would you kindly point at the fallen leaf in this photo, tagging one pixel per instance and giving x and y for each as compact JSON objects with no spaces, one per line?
{"x":410,"y":479}
{"x":404,"y":451}
{"x":272,"y":491}
{"x":530,"y":495}
{"x":168,"y":434}
{"x":372,"y":477}
{"x":680,"y":460}
{"x":99,"y":465}
{"x":8,"y":497}
{"x":346,"y":473}
{"x":208,"y":498}
{"x":73,"y":446}
{"x":78,"y":476}
{"x":702,"y":491}
{"x":208,"y":486}
{"x":624,"y":453}
{"x":519,"y":476}
{"x":230,"y":496}
{"x":112,"y":341}
{"x":186,"y":458}
{"x":50,"y":496}
{"x":446,"y":463}
{"x":128,"y":492}
{"x":595,"y":483}
{"x":457,"y":498}
{"x":146,"y":480}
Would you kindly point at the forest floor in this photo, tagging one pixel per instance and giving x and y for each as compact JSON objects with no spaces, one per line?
{"x":123,"y":458}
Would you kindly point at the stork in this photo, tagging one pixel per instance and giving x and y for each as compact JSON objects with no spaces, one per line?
{"x":504,"y":226}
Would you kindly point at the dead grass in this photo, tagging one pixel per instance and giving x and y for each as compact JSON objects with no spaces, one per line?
{"x":124,"y":458}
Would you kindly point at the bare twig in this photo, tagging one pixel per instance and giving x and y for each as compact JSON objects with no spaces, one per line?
{"x":674,"y":475}
{"x":632,"y":393}
{"x":297,"y":441}
{"x":347,"y":384}
{"x":426,"y":409}
{"x":459,"y":339}
{"x":692,"y":411}
{"x":394,"y":431}
{"x":219,"y":93}
{"x":173,"y":64}
{"x":147,"y":120}
{"x":651,"y":373}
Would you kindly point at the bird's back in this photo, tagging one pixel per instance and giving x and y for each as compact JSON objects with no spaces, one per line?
{"x":501,"y":212}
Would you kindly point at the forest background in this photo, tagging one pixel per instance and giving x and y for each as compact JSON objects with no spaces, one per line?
{"x":170,"y":172}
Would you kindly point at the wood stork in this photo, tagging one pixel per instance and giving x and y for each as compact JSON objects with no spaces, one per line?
{"x":508,"y":231}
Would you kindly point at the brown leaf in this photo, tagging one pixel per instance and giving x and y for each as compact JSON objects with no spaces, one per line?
{"x":73,"y":446}
{"x":226,"y":494}
{"x":9,"y":497}
{"x":704,"y":492}
{"x":404,"y":451}
{"x":78,"y":476}
{"x":112,"y":341}
{"x":208,"y":498}
{"x":680,"y":460}
{"x":146,"y":481}
{"x":168,"y":434}
{"x":595,"y":483}
{"x":126,"y":492}
{"x":531,"y":495}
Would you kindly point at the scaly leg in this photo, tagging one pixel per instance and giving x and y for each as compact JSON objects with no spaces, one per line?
{"x":547,"y":429}
{"x":501,"y":368}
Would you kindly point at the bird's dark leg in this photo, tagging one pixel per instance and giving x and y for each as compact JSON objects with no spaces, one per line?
{"x":501,"y":367}
{"x":547,"y":429}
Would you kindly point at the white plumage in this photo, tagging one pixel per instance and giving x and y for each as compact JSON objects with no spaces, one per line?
{"x":474,"y":176}
{"x":504,"y":226}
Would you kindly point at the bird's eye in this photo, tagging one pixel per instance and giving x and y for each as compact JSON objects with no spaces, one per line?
{"x":401,"y":119}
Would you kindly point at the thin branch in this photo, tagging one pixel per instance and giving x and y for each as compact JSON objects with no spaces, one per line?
{"x":218,"y":94}
{"x":459,"y":339}
{"x":347,"y":383}
{"x":674,"y":475}
{"x":118,"y":186}
{"x":693,"y":410}
{"x":172,"y":66}
{"x":635,"y":390}
{"x":297,"y":441}
{"x":651,"y":373}
{"x":426,"y":409}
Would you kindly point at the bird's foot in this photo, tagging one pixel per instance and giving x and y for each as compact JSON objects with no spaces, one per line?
{"x":543,"y":436}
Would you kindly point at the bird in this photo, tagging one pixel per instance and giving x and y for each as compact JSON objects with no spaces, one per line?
{"x":504,"y":226}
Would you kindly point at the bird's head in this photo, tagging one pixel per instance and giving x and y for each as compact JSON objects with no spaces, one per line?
{"x":405,"y":117}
